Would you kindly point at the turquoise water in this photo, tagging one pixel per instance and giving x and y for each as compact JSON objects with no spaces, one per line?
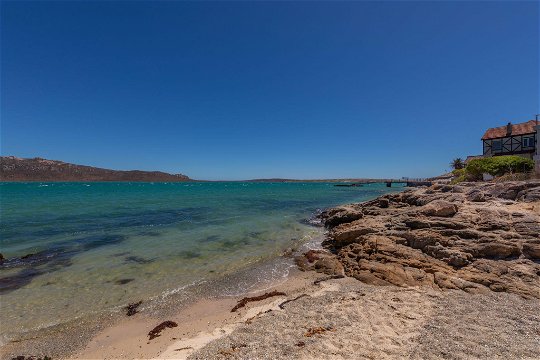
{"x":98,"y":246}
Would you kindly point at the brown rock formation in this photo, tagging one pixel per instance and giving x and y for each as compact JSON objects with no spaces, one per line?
{"x":37,"y":169}
{"x":473,"y":237}
{"x":320,"y":261}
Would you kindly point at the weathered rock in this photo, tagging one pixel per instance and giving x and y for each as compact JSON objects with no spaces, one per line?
{"x":415,"y":223}
{"x":384,"y":203}
{"x":531,"y":249}
{"x":527,"y":225}
{"x":440,"y":208}
{"x":321,"y":261}
{"x":476,"y":238}
{"x":497,"y":250}
{"x":329,"y":265}
{"x":340,"y":216}
{"x":510,"y":190}
{"x":529,"y":195}
{"x":476,"y":196}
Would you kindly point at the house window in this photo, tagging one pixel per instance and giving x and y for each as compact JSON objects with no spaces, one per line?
{"x":496,"y":145}
{"x":528,"y":142}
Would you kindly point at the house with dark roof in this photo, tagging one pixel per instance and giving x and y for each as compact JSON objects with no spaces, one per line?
{"x":514,"y":139}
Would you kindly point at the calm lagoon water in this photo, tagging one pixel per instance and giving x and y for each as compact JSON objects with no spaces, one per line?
{"x":98,"y":246}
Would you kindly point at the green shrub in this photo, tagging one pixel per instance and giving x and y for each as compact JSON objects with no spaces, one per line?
{"x":475,"y":168}
{"x":459,"y":176}
{"x":458,"y":179}
{"x":497,"y":166}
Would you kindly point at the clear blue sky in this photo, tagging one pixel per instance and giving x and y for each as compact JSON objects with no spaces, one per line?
{"x":236,"y":90}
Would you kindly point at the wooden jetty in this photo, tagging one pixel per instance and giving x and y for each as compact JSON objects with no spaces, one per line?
{"x":390,"y":182}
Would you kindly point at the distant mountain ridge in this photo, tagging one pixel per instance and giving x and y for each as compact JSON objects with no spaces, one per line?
{"x":37,"y":169}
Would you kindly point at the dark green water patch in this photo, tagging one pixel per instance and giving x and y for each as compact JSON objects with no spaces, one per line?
{"x":123,"y":281}
{"x":54,"y":258}
{"x":35,"y":265}
{"x":49,"y":226}
{"x":137,"y":260}
{"x":150,"y":233}
{"x":189,"y":254}
{"x":211,"y":238}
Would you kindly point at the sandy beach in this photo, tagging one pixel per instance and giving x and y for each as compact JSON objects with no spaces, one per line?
{"x":336,"y":319}
{"x":198,"y":324}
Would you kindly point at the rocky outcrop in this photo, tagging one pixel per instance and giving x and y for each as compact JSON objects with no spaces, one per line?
{"x":473,"y":237}
{"x":38,"y":169}
{"x":320,"y":261}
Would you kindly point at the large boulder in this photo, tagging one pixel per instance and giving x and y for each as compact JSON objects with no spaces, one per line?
{"x":441,"y":208}
{"x":341,"y":215}
{"x":321,"y":261}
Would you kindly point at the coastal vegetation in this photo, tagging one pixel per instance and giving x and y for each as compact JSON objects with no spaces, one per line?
{"x":457,"y":164}
{"x":495,"y":166}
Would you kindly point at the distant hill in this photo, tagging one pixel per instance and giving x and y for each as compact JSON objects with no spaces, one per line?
{"x":37,"y":169}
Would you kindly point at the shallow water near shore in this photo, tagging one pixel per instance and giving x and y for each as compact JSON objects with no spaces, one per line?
{"x":74,"y":249}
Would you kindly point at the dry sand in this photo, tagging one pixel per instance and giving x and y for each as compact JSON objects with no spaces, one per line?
{"x":373,"y":322}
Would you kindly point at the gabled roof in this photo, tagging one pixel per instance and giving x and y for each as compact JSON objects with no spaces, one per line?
{"x":517,"y":129}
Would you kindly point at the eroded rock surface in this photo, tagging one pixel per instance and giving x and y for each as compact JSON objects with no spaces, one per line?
{"x":321,"y":261}
{"x":474,"y":237}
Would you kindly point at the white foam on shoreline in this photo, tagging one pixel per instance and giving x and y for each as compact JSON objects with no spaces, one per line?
{"x":168,"y":293}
